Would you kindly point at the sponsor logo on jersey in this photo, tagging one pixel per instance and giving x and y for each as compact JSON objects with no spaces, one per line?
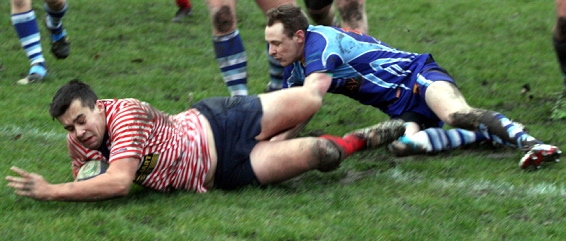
{"x":148,"y":164}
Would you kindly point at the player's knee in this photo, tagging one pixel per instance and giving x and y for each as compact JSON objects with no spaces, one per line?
{"x":351,"y":12}
{"x":18,"y":3}
{"x":468,"y":119}
{"x":55,"y":4}
{"x":327,"y":154}
{"x":223,"y":20}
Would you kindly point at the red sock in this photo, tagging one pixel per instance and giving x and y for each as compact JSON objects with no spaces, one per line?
{"x":349,"y":144}
{"x":183,"y":3}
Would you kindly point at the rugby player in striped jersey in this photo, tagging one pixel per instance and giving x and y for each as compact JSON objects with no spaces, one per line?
{"x":224,"y":143}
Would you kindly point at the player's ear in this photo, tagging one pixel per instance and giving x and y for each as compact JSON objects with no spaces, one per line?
{"x":99,"y":105}
{"x":300,"y":36}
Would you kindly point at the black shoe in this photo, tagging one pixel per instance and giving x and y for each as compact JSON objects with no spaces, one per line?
{"x":61,"y":48}
{"x":181,"y":14}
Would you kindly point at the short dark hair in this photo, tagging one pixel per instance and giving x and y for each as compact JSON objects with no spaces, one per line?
{"x":69,"y":92}
{"x":291,"y":16}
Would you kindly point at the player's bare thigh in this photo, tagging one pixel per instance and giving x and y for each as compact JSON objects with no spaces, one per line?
{"x":285,"y":109}
{"x":444,"y":98}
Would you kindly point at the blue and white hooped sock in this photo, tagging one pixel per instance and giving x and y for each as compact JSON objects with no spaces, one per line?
{"x":54,"y":22}
{"x":441,"y":139}
{"x":514,"y":133}
{"x":438,"y":139}
{"x":39,"y":69}
{"x":28,"y":32}
{"x":233,"y":61}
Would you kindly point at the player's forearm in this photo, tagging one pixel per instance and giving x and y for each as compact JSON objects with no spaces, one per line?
{"x":115,"y":182}
{"x":95,"y":189}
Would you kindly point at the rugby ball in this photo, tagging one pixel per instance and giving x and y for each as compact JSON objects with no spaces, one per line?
{"x":91,"y":169}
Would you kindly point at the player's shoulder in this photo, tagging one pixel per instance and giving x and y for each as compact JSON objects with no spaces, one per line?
{"x":129,"y":101}
{"x":122,"y":104}
{"x":121,"y":101}
{"x":320,"y":30}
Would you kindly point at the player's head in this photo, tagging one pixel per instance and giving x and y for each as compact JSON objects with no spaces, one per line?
{"x":285,"y":33}
{"x":74,"y":90}
{"x":290,"y":16}
{"x":78,"y":109}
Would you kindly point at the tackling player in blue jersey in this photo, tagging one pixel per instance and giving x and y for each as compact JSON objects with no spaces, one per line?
{"x":403,"y":85}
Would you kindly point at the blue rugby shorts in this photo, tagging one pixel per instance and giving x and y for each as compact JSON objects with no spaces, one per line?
{"x":235,"y":122}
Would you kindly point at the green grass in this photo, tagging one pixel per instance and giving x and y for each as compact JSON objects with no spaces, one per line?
{"x":131,"y":49}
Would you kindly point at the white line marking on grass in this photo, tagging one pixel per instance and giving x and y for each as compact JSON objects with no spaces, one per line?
{"x":395,"y":174}
{"x":479,"y":186}
{"x":29,"y":131}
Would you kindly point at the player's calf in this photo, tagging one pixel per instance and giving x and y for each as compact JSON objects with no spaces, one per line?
{"x":328,"y":155}
{"x":382,"y":133}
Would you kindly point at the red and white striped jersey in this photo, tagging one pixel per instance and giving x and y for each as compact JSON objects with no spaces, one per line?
{"x":172,"y":149}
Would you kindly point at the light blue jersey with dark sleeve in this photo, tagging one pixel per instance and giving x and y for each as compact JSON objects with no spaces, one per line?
{"x":367,"y":70}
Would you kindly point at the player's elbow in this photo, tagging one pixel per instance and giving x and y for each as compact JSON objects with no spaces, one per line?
{"x":319,"y":84}
{"x":319,"y":89}
{"x":122,"y":190}
{"x":315,"y":102}
{"x":121,"y":187}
